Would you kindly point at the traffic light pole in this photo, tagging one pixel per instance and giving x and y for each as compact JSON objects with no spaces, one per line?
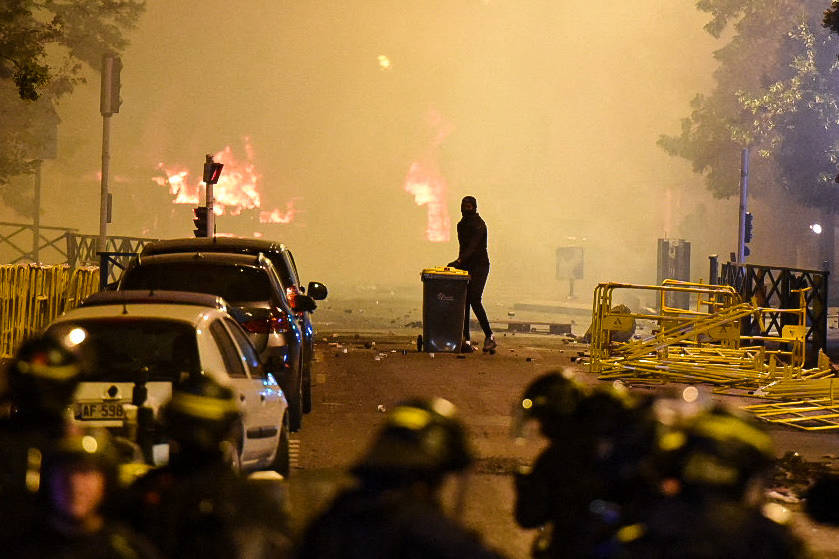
{"x":211,"y":217}
{"x":104,"y":213}
{"x":744,"y":206}
{"x":109,"y":103}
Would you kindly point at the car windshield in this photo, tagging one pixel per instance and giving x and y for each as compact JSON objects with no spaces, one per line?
{"x":235,"y":283}
{"x":119,"y":347}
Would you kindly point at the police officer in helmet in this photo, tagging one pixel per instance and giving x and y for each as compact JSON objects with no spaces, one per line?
{"x":705,"y":473}
{"x":198,"y":505}
{"x":555,"y":492}
{"x":40,"y":383}
{"x":394,"y":510}
{"x":80,"y":478}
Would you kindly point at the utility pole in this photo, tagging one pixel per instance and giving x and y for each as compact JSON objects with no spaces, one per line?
{"x":109,"y":103}
{"x":36,"y":214}
{"x":744,"y":206}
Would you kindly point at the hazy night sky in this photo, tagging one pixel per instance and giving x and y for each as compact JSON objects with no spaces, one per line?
{"x":553,"y":108}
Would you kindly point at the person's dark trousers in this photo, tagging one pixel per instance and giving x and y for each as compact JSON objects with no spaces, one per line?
{"x":477,"y":281}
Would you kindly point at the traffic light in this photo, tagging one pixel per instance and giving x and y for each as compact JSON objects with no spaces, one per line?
{"x":109,"y":100}
{"x":747,"y":234}
{"x":200,"y":221}
{"x":212,"y":170}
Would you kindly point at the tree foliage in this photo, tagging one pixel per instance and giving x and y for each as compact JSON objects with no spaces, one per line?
{"x":774,"y":93}
{"x":44,"y":47}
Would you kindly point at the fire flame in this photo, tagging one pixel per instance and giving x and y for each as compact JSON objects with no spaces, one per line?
{"x":277,"y":216}
{"x":428,"y":185}
{"x":238,"y":188}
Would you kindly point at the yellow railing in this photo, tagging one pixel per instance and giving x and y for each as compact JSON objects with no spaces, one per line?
{"x":32,"y":295}
{"x":701,"y":344}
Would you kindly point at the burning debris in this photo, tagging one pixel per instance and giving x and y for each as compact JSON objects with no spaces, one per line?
{"x":237,"y":190}
{"x":428,"y":185}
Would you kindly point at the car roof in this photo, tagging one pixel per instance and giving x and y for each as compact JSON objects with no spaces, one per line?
{"x":203,"y":257}
{"x":192,"y":314}
{"x":213,"y":244}
{"x":159,"y":297}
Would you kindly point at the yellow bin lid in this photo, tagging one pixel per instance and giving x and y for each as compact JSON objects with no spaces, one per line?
{"x":446,"y":272}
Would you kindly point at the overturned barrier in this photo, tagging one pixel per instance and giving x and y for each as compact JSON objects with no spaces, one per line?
{"x":32,"y":295}
{"x":705,"y":345}
{"x":702,"y":343}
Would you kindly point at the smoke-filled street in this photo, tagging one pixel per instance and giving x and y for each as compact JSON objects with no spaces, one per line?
{"x":363,"y":372}
{"x":373,"y":279}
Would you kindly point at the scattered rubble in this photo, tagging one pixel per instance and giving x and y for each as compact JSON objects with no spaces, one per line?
{"x":792,"y":476}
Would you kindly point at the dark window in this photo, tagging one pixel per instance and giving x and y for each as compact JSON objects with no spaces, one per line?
{"x":281,"y":265}
{"x":120,"y":347}
{"x":233,"y":282}
{"x":251,"y":358}
{"x":232,"y":359}
{"x":293,"y":267}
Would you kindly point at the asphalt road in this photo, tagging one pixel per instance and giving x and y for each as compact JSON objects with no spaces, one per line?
{"x":360,"y":373}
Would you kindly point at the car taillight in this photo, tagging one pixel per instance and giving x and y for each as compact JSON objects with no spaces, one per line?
{"x":258,"y":326}
{"x":280,"y":323}
{"x":291,"y":294}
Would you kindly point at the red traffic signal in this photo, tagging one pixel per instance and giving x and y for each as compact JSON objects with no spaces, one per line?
{"x":200,"y":221}
{"x":212,"y":170}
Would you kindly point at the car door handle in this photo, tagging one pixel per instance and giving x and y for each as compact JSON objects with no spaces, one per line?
{"x":262,"y":397}
{"x":242,"y":397}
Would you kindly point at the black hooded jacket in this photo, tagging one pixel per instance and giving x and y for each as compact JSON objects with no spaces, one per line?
{"x":472,"y":236}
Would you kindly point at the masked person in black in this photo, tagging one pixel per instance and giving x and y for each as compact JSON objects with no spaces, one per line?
{"x":41,"y":381}
{"x":394,"y":511}
{"x":197,"y":505}
{"x":473,"y":257}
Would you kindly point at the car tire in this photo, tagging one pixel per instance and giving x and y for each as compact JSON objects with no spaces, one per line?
{"x":295,"y":403}
{"x":233,"y":451}
{"x":282,"y":459}
{"x":307,"y":389}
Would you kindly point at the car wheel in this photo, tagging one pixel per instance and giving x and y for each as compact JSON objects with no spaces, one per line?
{"x":282,"y":460}
{"x":233,"y":452}
{"x":307,"y":389}
{"x":295,"y":403}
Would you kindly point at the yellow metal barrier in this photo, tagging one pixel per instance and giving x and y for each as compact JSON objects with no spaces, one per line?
{"x":704,"y":345}
{"x":701,"y":344}
{"x":32,"y":295}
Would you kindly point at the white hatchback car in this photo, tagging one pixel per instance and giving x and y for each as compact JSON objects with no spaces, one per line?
{"x":159,"y":338}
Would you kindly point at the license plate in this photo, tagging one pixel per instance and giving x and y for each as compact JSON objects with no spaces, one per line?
{"x":101,"y":410}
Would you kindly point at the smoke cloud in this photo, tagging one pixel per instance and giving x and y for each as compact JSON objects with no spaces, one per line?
{"x":548,"y":112}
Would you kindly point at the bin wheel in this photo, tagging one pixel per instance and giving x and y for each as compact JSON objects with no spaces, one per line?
{"x":419,"y":342}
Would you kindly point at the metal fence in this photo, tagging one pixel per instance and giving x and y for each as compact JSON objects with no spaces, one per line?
{"x":22,"y":242}
{"x":780,"y":288}
{"x":59,"y":245}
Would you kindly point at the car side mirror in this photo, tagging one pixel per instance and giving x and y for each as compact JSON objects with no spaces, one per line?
{"x":304,"y":303}
{"x":317,"y":291}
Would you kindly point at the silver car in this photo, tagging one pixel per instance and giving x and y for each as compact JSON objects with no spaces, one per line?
{"x":154,"y":339}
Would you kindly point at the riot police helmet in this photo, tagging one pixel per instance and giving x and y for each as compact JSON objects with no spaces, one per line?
{"x":201,"y":414}
{"x":553,"y":400}
{"x":421,"y":439}
{"x":43,"y":377}
{"x":717,"y":451}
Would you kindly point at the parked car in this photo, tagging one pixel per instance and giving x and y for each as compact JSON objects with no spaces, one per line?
{"x":283,"y":261}
{"x":252,"y":287}
{"x":155,"y":339}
